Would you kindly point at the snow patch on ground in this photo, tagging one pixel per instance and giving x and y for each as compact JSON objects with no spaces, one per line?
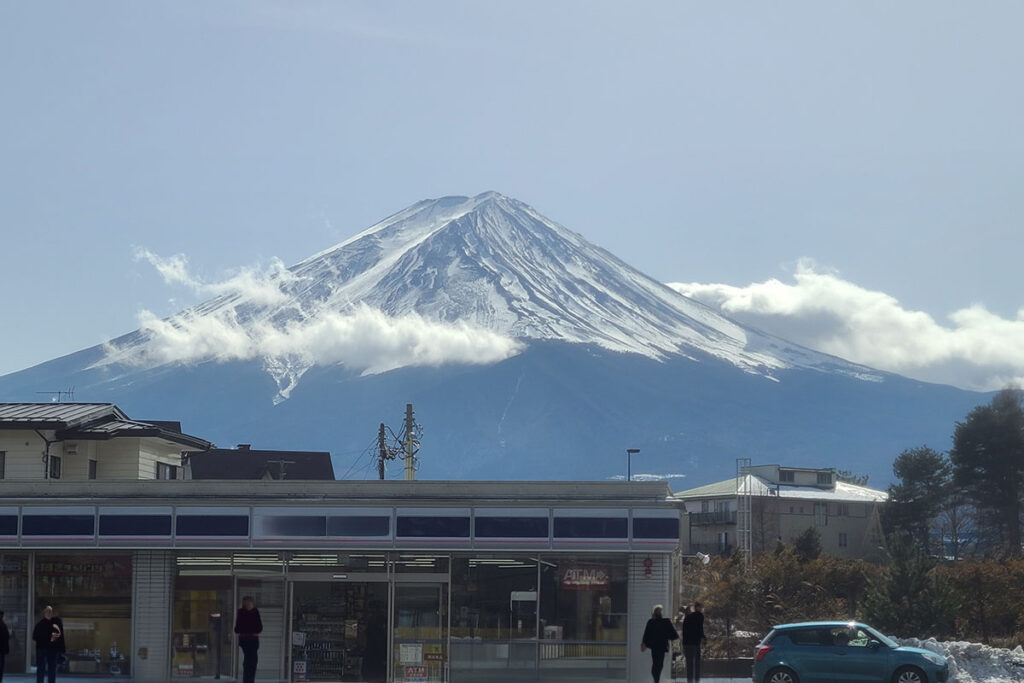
{"x":975,"y":662}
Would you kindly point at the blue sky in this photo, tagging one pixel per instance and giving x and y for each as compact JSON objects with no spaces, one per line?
{"x":733,"y":148}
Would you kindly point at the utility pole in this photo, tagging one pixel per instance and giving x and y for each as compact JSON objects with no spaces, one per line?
{"x":410,"y":444}
{"x":385,"y":452}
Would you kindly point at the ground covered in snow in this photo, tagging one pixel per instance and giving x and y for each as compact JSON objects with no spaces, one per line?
{"x":975,"y":662}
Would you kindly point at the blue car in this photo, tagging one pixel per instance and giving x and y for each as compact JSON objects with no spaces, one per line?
{"x":831,"y":651}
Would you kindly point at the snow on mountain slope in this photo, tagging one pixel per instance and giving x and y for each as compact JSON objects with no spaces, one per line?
{"x":488,"y":265}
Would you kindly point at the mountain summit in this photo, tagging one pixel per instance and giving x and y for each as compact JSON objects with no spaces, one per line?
{"x":527,"y":352}
{"x":493,"y":264}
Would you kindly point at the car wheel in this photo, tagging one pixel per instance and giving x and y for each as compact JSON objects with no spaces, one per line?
{"x":781,"y":675}
{"x":909,"y":674}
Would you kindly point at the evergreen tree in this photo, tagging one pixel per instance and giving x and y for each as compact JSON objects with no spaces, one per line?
{"x":925,"y":480}
{"x":911,"y":599}
{"x":988,"y":463}
{"x":807,"y":545}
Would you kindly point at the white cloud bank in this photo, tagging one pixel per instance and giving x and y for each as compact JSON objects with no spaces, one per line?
{"x":976,"y":350}
{"x":359,"y":337}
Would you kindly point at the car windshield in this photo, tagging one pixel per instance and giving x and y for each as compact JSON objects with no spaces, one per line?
{"x":886,"y":640}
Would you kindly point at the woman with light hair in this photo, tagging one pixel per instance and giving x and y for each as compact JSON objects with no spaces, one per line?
{"x":658,"y":636}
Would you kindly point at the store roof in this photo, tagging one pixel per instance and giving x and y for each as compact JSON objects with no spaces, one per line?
{"x":758,"y":486}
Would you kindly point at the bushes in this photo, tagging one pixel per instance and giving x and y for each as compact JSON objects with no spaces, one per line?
{"x":911,"y":596}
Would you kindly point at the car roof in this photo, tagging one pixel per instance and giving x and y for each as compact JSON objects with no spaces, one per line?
{"x":819,"y":624}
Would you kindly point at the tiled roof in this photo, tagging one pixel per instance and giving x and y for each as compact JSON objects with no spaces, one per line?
{"x":53,"y":415}
{"x":90,"y":421}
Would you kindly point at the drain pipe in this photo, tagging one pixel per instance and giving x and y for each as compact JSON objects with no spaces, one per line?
{"x":46,"y":454}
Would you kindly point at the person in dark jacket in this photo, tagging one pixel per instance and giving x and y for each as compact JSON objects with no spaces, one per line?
{"x":658,"y":636}
{"x":693,"y":637}
{"x":5,"y":644}
{"x":249,"y":626}
{"x":49,"y":638}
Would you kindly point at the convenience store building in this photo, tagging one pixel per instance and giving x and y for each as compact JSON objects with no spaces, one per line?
{"x":390,"y":581}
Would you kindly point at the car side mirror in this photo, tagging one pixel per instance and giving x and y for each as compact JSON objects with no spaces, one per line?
{"x":874,"y":644}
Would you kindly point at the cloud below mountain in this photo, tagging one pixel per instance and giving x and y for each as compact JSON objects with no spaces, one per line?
{"x":359,"y":337}
{"x":977,"y":349}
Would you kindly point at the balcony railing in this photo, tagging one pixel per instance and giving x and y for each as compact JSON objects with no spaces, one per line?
{"x":708,"y":518}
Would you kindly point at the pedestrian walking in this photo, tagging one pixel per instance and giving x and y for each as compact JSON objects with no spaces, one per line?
{"x":693,"y":638}
{"x":5,"y":644}
{"x":49,"y":638}
{"x":249,"y":626}
{"x":658,"y":636}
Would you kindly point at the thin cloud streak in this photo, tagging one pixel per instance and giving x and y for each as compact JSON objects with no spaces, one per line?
{"x":976,"y":350}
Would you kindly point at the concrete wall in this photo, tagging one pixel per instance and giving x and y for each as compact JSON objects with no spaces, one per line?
{"x":152,"y":595}
{"x":645,"y":591}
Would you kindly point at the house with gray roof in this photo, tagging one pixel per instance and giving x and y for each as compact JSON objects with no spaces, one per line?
{"x":75,"y":441}
{"x":783,"y":503}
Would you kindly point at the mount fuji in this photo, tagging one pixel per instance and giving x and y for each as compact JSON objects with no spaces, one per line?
{"x":527,"y":352}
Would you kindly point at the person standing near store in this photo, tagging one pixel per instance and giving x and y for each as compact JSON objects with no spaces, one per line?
{"x":49,"y":637}
{"x":693,"y":637}
{"x":5,"y":644}
{"x":658,"y":636}
{"x":249,"y":626}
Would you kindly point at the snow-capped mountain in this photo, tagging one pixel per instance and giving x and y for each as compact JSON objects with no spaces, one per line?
{"x":528,"y":352}
{"x":495,"y":264}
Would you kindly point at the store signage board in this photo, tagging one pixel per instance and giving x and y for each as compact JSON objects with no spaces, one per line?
{"x":410,"y":653}
{"x":585,"y":579}
{"x":415,"y":674}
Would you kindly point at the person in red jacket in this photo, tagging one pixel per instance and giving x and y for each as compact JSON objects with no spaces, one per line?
{"x":249,"y":626}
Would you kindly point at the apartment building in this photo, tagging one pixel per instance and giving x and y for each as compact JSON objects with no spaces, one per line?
{"x":784,"y":502}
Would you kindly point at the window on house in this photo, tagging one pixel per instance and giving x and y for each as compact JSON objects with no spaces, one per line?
{"x":842,"y":540}
{"x":723,"y":542}
{"x":92,"y":469}
{"x":54,"y":465}
{"x":824,"y":477}
{"x":820,"y":514}
{"x":3,"y":464}
{"x":165,"y":471}
{"x":787,"y":476}
{"x":842,"y":509}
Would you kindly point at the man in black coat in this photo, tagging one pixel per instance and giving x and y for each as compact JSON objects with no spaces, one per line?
{"x":49,"y":637}
{"x":248,"y":626}
{"x":5,"y":644}
{"x":658,"y":635}
{"x":693,"y":637}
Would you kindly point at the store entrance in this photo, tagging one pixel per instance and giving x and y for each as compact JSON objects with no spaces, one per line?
{"x":420,"y":635}
{"x":339,"y":631}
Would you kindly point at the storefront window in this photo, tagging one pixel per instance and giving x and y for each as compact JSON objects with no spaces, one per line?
{"x":92,"y":594}
{"x":494,"y":615}
{"x":203,"y":622}
{"x":13,"y":598}
{"x":583,"y":612}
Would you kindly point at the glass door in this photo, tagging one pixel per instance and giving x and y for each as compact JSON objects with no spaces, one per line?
{"x":339,"y":631}
{"x":420,"y":633}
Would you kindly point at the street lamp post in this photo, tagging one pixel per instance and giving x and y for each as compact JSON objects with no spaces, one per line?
{"x":629,"y":457}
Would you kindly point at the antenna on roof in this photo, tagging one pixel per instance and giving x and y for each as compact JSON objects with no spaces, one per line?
{"x":58,"y":396}
{"x":281,"y":465}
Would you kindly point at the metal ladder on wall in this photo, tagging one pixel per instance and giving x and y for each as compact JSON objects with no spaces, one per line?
{"x":744,"y":496}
